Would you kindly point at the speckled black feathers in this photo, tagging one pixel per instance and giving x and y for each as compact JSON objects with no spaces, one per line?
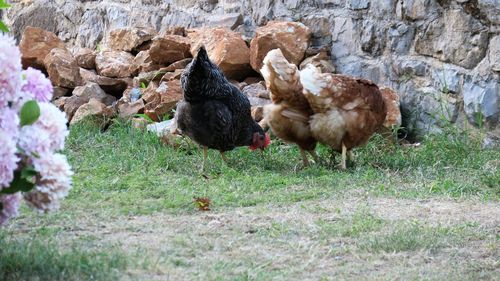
{"x":213,"y":113}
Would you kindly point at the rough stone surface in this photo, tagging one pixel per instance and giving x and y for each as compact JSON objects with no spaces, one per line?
{"x":62,"y":68}
{"x":36,"y":44}
{"x":59,"y":92}
{"x":292,"y":38}
{"x":85,"y":58}
{"x":128,"y":39}
{"x":457,"y":37}
{"x":93,"y":91}
{"x":321,"y":60}
{"x":129,"y":109}
{"x":161,"y":99}
{"x":225,"y":48}
{"x":256,"y":90}
{"x":143,"y":63}
{"x":449,"y":48}
{"x":167,"y":49}
{"x":114,"y":64}
{"x":112,"y":86}
{"x":92,"y":108}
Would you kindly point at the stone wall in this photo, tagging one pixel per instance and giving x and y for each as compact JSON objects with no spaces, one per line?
{"x":442,"y":56}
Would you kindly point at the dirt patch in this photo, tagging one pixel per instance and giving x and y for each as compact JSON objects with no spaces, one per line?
{"x":283,"y":242}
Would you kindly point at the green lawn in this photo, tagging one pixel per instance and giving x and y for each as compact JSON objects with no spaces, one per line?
{"x":429,"y":212}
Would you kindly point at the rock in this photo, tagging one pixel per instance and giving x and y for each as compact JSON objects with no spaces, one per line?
{"x":291,"y":37}
{"x":482,"y":102}
{"x":256,"y":90}
{"x":320,"y":29}
{"x":231,"y":20}
{"x":225,"y":48}
{"x":408,"y":66}
{"x":128,"y":38}
{"x":143,"y":63}
{"x":91,"y":28}
{"x":112,"y":86}
{"x":177,"y":65}
{"x":167,"y":49}
{"x":93,"y":91}
{"x":257,"y":113}
{"x":400,"y":37}
{"x":359,"y":4}
{"x":345,"y":38}
{"x":247,"y":30}
{"x":71,"y":105}
{"x":489,"y":7}
{"x":59,"y":92}
{"x":372,"y":38}
{"x":417,"y":9}
{"x":447,"y":79}
{"x":114,"y":64}
{"x":147,"y":77}
{"x":252,"y":80}
{"x":321,"y":60}
{"x":85,"y":58}
{"x":93,"y":108}
{"x":492,"y":141}
{"x":176,"y":75}
{"x":60,"y":102}
{"x":163,"y":100}
{"x":175,"y":30}
{"x":494,"y":54}
{"x":36,"y":44}
{"x":62,"y":68}
{"x":427,"y":110}
{"x":392,"y":104}
{"x":256,"y":101}
{"x":129,"y":109}
{"x":456,"y":37}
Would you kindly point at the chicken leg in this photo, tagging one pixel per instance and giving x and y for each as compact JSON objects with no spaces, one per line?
{"x":205,"y":153}
{"x":343,"y":165}
{"x":305,"y":161}
{"x":314,"y":156}
{"x":223,"y":157}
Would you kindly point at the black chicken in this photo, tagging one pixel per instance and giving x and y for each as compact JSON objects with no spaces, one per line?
{"x":214,"y":113}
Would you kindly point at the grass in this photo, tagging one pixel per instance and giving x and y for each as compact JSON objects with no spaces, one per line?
{"x":35,"y":259}
{"x":131,"y":172}
{"x":131,"y":215}
{"x":415,"y":236}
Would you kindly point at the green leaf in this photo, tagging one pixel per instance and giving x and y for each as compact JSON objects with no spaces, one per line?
{"x":143,"y":86}
{"x":29,"y":113}
{"x":3,"y":27}
{"x":28,"y":172}
{"x":18,"y":184}
{"x":4,"y":5}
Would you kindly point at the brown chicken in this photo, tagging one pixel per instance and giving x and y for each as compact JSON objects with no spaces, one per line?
{"x":347,"y":111}
{"x":288,"y":115}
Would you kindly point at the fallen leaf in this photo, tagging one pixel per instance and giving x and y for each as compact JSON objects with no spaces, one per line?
{"x":203,"y":204}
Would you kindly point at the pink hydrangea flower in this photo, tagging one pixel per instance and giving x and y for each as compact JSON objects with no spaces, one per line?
{"x":9,"y":121}
{"x":10,"y":70}
{"x":9,"y":206}
{"x":36,"y":86}
{"x":53,"y":183}
{"x":47,"y":134}
{"x":8,"y":158}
